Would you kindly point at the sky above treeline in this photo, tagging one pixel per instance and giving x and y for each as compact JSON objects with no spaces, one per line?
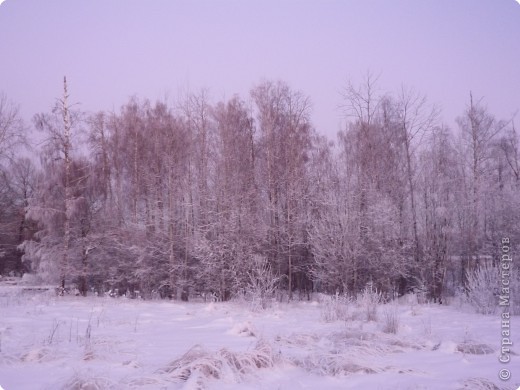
{"x":113,"y":49}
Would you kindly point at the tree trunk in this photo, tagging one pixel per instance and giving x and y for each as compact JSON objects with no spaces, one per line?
{"x":68,"y":190}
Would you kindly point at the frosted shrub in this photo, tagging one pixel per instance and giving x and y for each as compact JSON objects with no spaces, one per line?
{"x":482,"y":289}
{"x":334,"y":308}
{"x":391,"y":324}
{"x":368,"y":300}
{"x":262,"y":285}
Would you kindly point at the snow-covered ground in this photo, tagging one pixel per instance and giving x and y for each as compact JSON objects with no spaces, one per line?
{"x":49,"y":342}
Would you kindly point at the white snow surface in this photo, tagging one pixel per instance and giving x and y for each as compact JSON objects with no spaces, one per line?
{"x":50,"y":342}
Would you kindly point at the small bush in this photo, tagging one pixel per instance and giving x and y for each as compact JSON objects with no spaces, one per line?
{"x":482,"y":289}
{"x":335,"y":308}
{"x":262,"y":285}
{"x":368,"y":300}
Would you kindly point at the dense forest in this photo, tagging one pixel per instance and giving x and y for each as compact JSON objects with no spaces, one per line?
{"x":202,"y":198}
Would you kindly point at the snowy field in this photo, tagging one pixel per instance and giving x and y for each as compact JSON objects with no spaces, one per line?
{"x":49,"y":342}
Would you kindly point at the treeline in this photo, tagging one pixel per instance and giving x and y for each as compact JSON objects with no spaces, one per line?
{"x":202,"y":197}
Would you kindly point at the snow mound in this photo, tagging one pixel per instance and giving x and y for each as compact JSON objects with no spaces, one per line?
{"x":210,"y":307}
{"x":132,"y":363}
{"x":244,"y":329}
{"x":447,"y":346}
{"x":37,"y":355}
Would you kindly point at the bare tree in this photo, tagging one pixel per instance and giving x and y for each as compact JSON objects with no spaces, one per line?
{"x":362,"y":102}
{"x":234,"y":235}
{"x":478,"y":128}
{"x":285,"y":129}
{"x":12,"y":129}
{"x":510,"y":146}
{"x":439,"y":176}
{"x":415,"y":119}
{"x":200,"y":197}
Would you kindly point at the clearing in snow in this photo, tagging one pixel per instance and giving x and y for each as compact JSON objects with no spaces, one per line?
{"x":49,"y":342}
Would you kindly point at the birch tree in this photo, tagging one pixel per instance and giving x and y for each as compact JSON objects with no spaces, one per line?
{"x":235,"y":238}
{"x":415,"y":119}
{"x":439,"y":176}
{"x":58,"y":147}
{"x":285,"y":130}
{"x":478,"y":128}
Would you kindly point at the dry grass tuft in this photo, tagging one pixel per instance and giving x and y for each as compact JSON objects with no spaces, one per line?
{"x":369,"y":300}
{"x":479,"y":384}
{"x":199,"y":365}
{"x":77,"y":382}
{"x":333,"y":364}
{"x":334,"y":308}
{"x":391,"y":320}
{"x":7,"y":359}
{"x":474,"y":349}
{"x":301,"y":340}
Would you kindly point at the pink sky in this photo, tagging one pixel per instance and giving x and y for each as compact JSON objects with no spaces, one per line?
{"x":111,"y":50}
